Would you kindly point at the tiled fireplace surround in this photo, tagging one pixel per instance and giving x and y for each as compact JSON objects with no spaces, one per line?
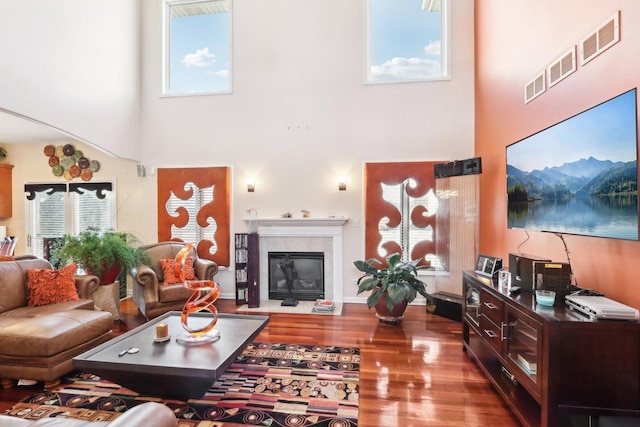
{"x":304,"y":235}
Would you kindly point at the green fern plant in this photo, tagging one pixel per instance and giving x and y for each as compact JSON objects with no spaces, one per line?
{"x":97,"y":252}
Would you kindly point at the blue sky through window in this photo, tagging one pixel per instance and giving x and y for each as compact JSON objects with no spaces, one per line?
{"x":200,"y":53}
{"x":405,"y":41}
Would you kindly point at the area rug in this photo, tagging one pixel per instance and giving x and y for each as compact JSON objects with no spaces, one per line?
{"x":268,"y":385}
{"x":303,"y":307}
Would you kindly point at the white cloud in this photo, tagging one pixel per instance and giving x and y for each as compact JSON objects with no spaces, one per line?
{"x":433,"y":48}
{"x":202,"y":58}
{"x":406,"y":69}
{"x":222,"y":73}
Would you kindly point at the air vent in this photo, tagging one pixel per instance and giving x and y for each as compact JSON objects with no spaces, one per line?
{"x":601,"y":39}
{"x":561,"y":68}
{"x":534,"y":88}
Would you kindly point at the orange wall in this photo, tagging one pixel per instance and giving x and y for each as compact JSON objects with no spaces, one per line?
{"x":515,"y":41}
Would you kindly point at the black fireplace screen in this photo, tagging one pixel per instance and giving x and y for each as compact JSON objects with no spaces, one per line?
{"x":305,"y":271}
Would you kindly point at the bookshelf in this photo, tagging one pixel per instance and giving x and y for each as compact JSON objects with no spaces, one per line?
{"x":247,"y":268}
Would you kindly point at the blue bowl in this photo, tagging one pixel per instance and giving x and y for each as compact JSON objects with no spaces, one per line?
{"x":545,"y":297}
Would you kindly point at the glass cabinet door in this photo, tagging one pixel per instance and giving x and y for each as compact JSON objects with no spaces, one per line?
{"x":472,"y":303}
{"x":523,"y":346}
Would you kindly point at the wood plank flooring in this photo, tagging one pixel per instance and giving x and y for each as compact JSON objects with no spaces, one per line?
{"x":412,"y":375}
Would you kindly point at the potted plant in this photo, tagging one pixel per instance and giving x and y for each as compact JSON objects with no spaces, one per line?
{"x":393,"y":287}
{"x":108,"y":255}
{"x":3,"y":153}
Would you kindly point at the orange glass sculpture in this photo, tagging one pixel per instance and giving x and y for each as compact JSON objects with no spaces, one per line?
{"x":205,"y":293}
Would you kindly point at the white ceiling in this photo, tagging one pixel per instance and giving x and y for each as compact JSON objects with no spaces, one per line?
{"x":15,"y":130}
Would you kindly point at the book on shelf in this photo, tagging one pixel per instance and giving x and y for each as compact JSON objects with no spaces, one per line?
{"x":323,"y":305}
{"x":529,"y":361}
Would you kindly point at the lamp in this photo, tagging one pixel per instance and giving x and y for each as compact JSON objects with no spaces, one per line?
{"x":342,"y":183}
{"x":251,"y":185}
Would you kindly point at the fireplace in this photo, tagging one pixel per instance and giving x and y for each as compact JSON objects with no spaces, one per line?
{"x":302,"y":271}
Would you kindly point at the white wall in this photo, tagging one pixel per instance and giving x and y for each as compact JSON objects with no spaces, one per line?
{"x":73,"y":64}
{"x":300,"y":114}
{"x":298,"y":117}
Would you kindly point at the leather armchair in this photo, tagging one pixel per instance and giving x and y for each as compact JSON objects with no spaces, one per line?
{"x":151,"y":295}
{"x":147,"y":414}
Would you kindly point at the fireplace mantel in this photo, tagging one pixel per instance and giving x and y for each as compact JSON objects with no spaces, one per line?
{"x":299,"y":222}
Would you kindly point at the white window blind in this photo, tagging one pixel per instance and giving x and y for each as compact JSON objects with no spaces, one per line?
{"x":193,"y":231}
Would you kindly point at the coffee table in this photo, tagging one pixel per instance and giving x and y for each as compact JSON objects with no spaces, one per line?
{"x":169,"y":369}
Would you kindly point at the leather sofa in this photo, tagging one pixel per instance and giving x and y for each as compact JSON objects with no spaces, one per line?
{"x":147,"y":414}
{"x":39,"y":342}
{"x":150,"y":293}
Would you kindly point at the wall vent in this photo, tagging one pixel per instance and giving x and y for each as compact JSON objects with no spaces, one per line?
{"x":535,"y":88}
{"x":601,"y":39}
{"x":562,"y":67}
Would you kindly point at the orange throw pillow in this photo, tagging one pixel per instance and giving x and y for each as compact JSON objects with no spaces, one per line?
{"x":51,"y":286}
{"x":168,"y":266}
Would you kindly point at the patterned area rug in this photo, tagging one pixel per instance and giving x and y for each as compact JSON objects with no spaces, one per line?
{"x":268,"y":385}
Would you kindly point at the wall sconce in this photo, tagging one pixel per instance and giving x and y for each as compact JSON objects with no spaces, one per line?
{"x":342,"y":183}
{"x":251,"y":185}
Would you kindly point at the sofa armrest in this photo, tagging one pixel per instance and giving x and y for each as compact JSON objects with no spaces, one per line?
{"x":87,"y":285}
{"x":205,"y":269}
{"x":145,"y":276}
{"x":147,"y":414}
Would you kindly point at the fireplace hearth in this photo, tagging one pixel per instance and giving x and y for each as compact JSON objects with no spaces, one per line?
{"x":296,"y":274}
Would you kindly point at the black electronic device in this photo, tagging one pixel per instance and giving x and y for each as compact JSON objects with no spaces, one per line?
{"x":488,"y":265}
{"x":521,"y":267}
{"x":556,"y":163}
{"x":553,"y":276}
{"x":459,"y":167}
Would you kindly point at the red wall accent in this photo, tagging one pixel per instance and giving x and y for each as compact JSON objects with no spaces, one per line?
{"x":515,"y":41}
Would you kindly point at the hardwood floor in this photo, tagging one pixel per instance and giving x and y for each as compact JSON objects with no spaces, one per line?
{"x":415,"y":374}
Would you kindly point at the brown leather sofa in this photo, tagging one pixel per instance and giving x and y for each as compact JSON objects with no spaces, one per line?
{"x":39,"y":343}
{"x":147,"y":414}
{"x":151,"y":295}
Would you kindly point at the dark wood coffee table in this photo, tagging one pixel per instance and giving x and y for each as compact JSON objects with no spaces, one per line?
{"x":169,"y":369}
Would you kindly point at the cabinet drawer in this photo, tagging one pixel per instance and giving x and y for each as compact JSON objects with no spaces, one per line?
{"x":491,"y":332}
{"x":491,"y":307}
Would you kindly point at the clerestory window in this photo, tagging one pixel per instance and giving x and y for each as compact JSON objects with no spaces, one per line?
{"x":407,"y":40}
{"x":197,"y":47}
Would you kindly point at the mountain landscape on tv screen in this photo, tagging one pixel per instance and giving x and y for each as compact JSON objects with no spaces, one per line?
{"x":582,"y":178}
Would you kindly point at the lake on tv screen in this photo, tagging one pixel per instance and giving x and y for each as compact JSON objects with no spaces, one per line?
{"x":602,"y":216}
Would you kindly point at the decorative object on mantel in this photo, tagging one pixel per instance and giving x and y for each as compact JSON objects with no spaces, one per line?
{"x":305,"y":213}
{"x":286,"y":215}
{"x":70,"y":163}
{"x":253,"y":215}
{"x":205,"y":293}
{"x":393,"y":287}
{"x":3,"y":153}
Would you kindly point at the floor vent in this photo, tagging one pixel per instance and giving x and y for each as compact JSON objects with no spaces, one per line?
{"x":534,"y":88}
{"x":601,"y":39}
{"x":561,"y":68}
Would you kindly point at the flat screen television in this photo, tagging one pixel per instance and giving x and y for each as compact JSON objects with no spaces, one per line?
{"x":579,"y":176}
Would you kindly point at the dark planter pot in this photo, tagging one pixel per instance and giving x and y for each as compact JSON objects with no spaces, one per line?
{"x":392,"y":317}
{"x":108,"y":275}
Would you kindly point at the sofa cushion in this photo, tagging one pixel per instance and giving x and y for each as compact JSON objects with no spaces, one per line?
{"x":41,"y":310}
{"x":51,"y":286}
{"x":168,"y":270}
{"x":48,"y":335}
{"x":12,"y":286}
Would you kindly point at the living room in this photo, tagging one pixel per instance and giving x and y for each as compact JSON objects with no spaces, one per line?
{"x":299,"y":115}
